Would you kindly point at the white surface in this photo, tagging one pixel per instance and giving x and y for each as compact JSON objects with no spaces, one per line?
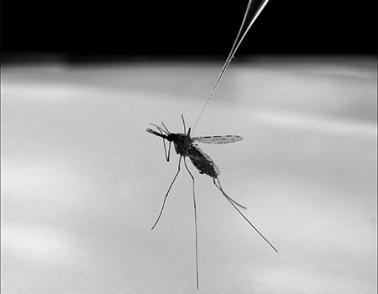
{"x":82,"y":182}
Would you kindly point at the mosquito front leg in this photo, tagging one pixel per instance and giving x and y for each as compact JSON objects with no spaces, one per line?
{"x":165,"y":151}
{"x":195,"y":220}
{"x":166,"y":194}
{"x":169,"y":150}
{"x":165,"y":147}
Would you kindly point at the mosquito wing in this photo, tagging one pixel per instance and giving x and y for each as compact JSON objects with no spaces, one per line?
{"x":218,"y":139}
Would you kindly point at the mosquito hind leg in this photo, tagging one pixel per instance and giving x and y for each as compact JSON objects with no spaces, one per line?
{"x":219,"y":186}
{"x":166,"y":194}
{"x":195,"y":220}
{"x":245,"y":218}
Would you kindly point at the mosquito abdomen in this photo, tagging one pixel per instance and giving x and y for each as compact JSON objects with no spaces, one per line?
{"x":203,"y":162}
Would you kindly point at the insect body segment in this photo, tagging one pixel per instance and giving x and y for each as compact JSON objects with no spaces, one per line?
{"x":182,"y":143}
{"x":203,"y":162}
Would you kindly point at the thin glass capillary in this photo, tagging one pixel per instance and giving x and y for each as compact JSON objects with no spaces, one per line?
{"x":243,"y":30}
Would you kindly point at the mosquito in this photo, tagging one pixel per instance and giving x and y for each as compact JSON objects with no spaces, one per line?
{"x":186,"y":146}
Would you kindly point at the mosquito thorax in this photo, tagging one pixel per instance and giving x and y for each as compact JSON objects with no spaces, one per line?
{"x":173,"y":137}
{"x":182,"y":142}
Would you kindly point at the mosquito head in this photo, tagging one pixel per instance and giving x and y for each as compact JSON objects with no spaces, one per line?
{"x":169,"y":137}
{"x":161,"y":134}
{"x":166,"y":135}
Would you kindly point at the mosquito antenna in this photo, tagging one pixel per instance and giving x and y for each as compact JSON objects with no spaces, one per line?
{"x":160,"y":129}
{"x":243,"y":30}
{"x":166,"y":194}
{"x":195,"y":219}
{"x":248,"y":221}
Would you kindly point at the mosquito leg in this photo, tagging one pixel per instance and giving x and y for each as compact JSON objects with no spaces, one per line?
{"x":183,"y":123}
{"x":166,"y":194}
{"x":169,"y":151}
{"x":195,"y":220}
{"x":165,"y":151}
{"x":167,"y":154}
{"x":165,"y":147}
{"x":246,"y":219}
{"x":167,"y":133}
{"x":218,"y":185}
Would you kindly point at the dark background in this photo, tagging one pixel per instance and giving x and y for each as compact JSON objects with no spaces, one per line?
{"x":169,"y":28}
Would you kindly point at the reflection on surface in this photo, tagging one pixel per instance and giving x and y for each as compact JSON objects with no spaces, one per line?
{"x":82,"y":181}
{"x":36,"y":244}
